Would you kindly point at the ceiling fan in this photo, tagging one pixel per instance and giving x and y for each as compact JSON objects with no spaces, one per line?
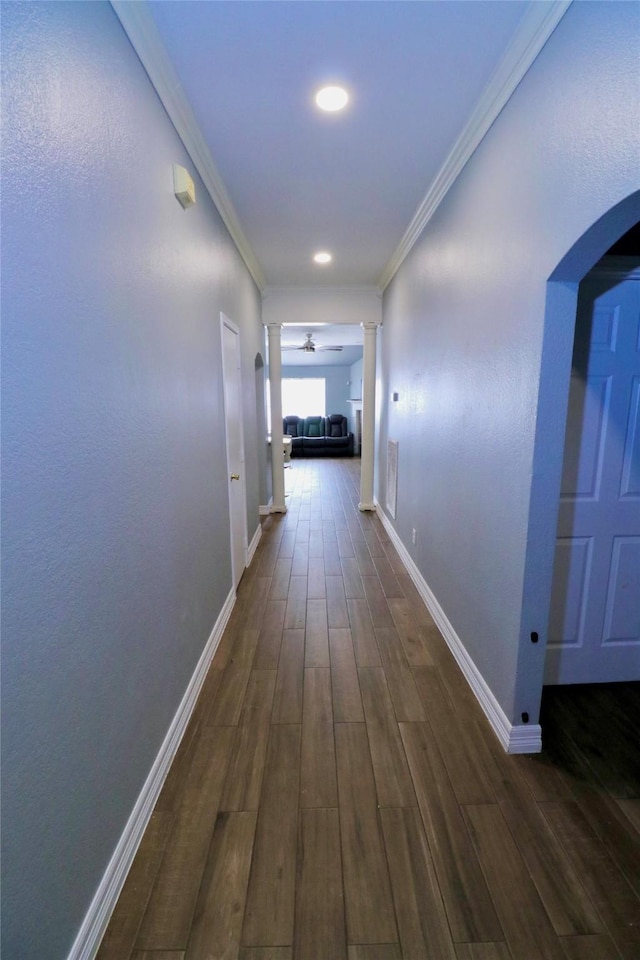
{"x":309,"y":345}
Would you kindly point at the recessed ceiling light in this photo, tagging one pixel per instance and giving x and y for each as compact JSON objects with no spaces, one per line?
{"x":332,"y":99}
{"x":322,"y":257}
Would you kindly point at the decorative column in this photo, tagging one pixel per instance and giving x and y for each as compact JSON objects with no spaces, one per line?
{"x":368,"y":416}
{"x":275,"y":392}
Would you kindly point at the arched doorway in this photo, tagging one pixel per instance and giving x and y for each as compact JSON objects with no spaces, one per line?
{"x":594,"y":625}
{"x":557,"y":351}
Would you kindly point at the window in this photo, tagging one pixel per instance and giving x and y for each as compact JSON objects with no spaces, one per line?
{"x":303,"y":397}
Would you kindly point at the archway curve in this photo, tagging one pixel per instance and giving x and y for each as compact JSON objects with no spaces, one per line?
{"x":551,"y":416}
{"x":594,"y":243}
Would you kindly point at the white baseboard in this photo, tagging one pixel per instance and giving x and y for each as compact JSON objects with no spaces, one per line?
{"x":97,"y":918}
{"x":515,"y":738}
{"x":263,"y":510}
{"x":253,"y":546}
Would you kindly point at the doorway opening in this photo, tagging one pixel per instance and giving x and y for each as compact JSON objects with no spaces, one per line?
{"x":594,"y":625}
{"x":231,"y":373}
{"x":557,"y":352}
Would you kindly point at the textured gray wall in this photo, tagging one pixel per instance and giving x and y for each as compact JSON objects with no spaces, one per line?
{"x":115,"y":515}
{"x":462,"y":340}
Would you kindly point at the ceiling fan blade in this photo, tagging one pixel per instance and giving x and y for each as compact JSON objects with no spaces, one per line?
{"x":309,"y":346}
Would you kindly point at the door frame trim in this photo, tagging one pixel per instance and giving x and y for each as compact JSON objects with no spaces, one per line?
{"x":225,"y":321}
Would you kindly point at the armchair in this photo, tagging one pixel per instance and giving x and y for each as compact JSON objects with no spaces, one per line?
{"x":338,"y":440}
{"x":292,"y":427}
{"x":319,"y":436}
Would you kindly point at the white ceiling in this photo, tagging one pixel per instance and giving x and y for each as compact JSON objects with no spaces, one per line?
{"x":349,"y":337}
{"x":426,"y":80}
{"x":329,"y":358}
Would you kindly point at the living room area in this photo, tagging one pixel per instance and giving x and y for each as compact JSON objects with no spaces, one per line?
{"x":322,"y":371}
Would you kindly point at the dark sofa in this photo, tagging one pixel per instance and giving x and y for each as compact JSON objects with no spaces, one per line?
{"x":319,"y":436}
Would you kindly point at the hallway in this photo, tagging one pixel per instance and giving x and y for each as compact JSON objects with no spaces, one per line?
{"x":339,"y":794}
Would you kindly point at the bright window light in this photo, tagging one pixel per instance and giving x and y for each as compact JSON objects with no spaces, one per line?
{"x":303,"y":396}
{"x":332,"y":99}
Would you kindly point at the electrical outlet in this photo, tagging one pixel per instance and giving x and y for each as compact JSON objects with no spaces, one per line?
{"x":414,"y":536}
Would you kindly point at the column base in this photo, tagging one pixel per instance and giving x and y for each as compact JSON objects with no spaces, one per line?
{"x":366,"y":506}
{"x":277,"y":509}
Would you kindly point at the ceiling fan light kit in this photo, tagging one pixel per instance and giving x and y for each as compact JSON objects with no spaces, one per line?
{"x":309,"y":345}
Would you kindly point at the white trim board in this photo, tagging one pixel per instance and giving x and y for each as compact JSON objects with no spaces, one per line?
{"x":536,"y":27}
{"x":515,"y":738}
{"x":97,"y":918}
{"x":139,"y":26}
{"x":253,"y":546}
{"x":345,"y":291}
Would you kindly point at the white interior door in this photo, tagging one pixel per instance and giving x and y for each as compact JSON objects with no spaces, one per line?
{"x":235,"y":445}
{"x":594,"y":629}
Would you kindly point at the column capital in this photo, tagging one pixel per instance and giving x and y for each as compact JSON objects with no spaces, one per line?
{"x":370,"y":325}
{"x":273,"y":325}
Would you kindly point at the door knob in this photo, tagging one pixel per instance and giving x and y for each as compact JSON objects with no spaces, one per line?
{"x":235,"y":476}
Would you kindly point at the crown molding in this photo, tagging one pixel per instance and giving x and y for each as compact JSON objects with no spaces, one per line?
{"x":139,"y":26}
{"x":537,"y":26}
{"x":337,"y":291}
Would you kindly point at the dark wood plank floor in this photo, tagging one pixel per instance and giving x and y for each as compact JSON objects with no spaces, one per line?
{"x":339,"y":794}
